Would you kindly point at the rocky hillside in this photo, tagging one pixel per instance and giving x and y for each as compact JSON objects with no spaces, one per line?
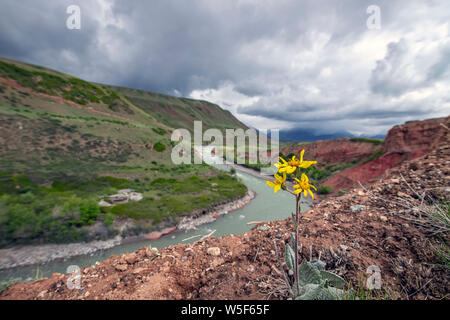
{"x":338,"y":151}
{"x":345,"y":161}
{"x":402,"y":143}
{"x":390,"y":224}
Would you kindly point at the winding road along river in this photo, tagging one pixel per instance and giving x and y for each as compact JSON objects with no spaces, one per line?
{"x":266,"y":206}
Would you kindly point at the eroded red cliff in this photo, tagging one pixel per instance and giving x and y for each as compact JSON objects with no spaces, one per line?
{"x":403,"y":142}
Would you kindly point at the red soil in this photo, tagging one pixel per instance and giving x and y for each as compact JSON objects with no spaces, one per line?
{"x":402,"y":143}
{"x":387,"y":232}
{"x":328,"y":152}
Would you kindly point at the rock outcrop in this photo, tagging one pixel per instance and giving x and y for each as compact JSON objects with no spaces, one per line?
{"x":402,"y":143}
{"x":417,"y":137}
{"x":329,"y":152}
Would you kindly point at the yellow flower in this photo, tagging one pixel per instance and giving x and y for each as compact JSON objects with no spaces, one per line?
{"x":278,"y":183}
{"x":293,"y":164}
{"x":304,"y":186}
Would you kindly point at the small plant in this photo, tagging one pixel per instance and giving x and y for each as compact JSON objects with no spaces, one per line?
{"x":367,"y":140}
{"x":311,"y":281}
{"x":6,"y":284}
{"x":159,"y":131}
{"x":317,"y":284}
{"x":159,"y":147}
{"x":325,"y":190}
{"x":376,"y":154}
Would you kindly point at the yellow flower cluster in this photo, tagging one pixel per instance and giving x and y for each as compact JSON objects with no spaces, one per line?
{"x":289,"y":167}
{"x":293,"y":164}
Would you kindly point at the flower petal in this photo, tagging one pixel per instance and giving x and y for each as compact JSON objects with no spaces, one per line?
{"x":307,"y":164}
{"x":290,"y":170}
{"x":277,"y":188}
{"x":304,"y":178}
{"x":271,"y":184}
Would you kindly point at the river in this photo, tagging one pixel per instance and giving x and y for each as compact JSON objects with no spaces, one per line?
{"x":266,"y":206}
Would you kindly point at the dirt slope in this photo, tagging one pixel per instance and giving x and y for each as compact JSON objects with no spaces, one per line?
{"x":384,"y":230}
{"x":329,"y":152}
{"x":402,"y":143}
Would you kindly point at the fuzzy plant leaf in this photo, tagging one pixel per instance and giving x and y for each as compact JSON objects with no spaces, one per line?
{"x":331,"y":293}
{"x":333,"y":279}
{"x":294,"y":222}
{"x":319,"y":292}
{"x":318,"y":264}
{"x":309,"y":292}
{"x":308,"y":274}
{"x":290,"y":257}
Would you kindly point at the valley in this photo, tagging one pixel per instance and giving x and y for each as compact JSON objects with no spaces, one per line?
{"x":67,"y":145}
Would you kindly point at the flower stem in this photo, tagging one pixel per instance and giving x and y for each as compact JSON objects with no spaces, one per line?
{"x":296,"y":275}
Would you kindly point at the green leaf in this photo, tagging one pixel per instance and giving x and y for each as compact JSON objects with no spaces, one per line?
{"x":308,"y":274}
{"x":292,"y":241}
{"x":331,"y":293}
{"x":309,"y":292}
{"x":318,"y":292}
{"x":294,"y":222}
{"x":290,"y":257}
{"x":317,"y":264}
{"x":333,"y":279}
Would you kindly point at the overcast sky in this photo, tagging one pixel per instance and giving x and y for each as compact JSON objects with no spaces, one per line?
{"x":312,"y":64}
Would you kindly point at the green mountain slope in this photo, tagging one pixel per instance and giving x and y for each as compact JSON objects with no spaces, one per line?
{"x":54,"y":123}
{"x":59,"y":135}
{"x":181,"y":112}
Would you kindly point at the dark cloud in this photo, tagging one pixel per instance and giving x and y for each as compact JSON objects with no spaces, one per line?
{"x":272,"y":63}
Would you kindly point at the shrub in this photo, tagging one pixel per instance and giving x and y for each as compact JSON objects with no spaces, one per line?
{"x":367,"y":140}
{"x":376,"y":154}
{"x":109,"y":219}
{"x":159,"y":147}
{"x":89,"y":210}
{"x":325,"y":190}
{"x":159,"y":131}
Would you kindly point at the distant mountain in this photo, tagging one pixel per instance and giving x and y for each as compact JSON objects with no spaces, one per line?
{"x":296,"y":135}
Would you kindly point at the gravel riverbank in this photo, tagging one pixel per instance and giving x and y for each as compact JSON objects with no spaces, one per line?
{"x":40,"y":254}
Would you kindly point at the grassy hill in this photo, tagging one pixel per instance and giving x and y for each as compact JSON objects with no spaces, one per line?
{"x":59,"y":135}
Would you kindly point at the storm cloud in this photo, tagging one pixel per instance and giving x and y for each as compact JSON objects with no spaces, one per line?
{"x":313,"y":65}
